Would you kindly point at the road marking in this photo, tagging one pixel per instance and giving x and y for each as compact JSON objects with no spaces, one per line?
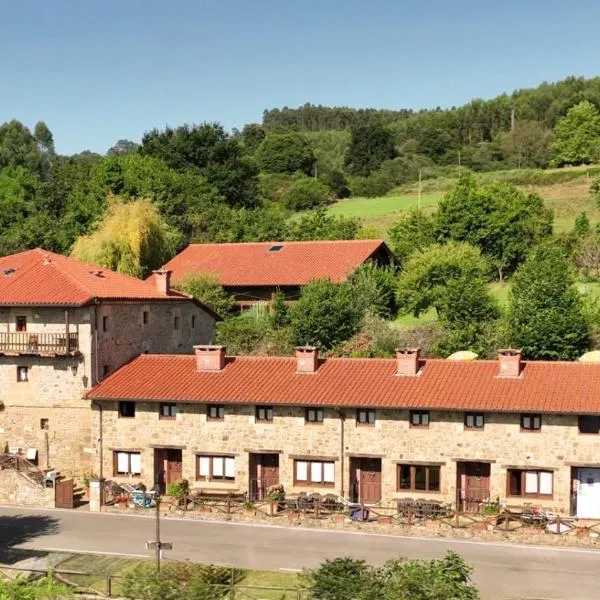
{"x":443,"y":540}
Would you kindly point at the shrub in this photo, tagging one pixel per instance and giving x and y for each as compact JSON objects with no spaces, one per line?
{"x":178,"y":489}
{"x":306,"y":193}
{"x":205,"y":288}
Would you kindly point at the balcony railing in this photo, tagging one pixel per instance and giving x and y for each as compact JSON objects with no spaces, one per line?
{"x":25,"y":342}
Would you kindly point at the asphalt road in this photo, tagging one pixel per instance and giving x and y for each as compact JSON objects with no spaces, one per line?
{"x":501,"y":570}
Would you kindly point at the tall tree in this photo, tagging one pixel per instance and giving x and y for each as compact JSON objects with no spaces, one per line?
{"x":500,"y":219}
{"x":122,"y":147}
{"x":285,"y":153}
{"x":132,"y":238}
{"x":208,"y":150}
{"x":546,"y":318}
{"x":411,"y":232}
{"x":577,"y":136}
{"x":527,"y":145}
{"x":369,"y":147}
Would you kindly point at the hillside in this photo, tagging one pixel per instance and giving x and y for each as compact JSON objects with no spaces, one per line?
{"x":566,"y":191}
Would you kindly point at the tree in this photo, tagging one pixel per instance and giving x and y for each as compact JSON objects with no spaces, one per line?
{"x":338,"y":579}
{"x":205,"y":288}
{"x":545,"y":316}
{"x":577,"y":136}
{"x":374,"y":288}
{"x":44,"y":138}
{"x":132,"y":238}
{"x":429,"y":274}
{"x":527,"y":145}
{"x":369,"y":147}
{"x":500,"y":219}
{"x":337,"y":184}
{"x":207,"y":150}
{"x":252,"y":135}
{"x":285,"y":153}
{"x":279,"y":311}
{"x":325,"y":314}
{"x":304,"y":194}
{"x":411,"y":232}
{"x":320,"y":225}
{"x":122,"y":147}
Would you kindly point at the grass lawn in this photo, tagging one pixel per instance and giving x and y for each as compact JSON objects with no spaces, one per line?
{"x":567,"y":200}
{"x":99,"y":567}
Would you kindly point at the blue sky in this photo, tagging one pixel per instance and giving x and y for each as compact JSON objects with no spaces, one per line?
{"x":101,"y":70}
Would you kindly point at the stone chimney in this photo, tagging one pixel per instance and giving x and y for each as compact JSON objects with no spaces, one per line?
{"x":210,"y":358}
{"x":407,"y":361}
{"x":307,"y":359}
{"x":162,"y":279}
{"x":509,"y":363}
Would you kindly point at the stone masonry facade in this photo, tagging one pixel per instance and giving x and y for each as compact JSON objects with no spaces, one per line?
{"x":48,"y":411}
{"x":446,"y":443}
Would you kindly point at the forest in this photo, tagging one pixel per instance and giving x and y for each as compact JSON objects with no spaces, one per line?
{"x":135,"y":206}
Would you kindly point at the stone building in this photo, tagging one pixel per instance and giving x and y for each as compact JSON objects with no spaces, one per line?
{"x":64,"y":326}
{"x":254,"y":272}
{"x":370,"y":430}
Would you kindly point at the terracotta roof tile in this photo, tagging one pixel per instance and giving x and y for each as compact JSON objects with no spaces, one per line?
{"x":296,"y":263}
{"x":548,"y":387}
{"x":38,"y":277}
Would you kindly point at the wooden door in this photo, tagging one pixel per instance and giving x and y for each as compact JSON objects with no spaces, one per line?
{"x":264,"y":472}
{"x":474,"y":485}
{"x":365,"y":480}
{"x":63,"y":494}
{"x":174,"y":467}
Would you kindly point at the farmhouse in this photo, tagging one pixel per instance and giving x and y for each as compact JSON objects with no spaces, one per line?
{"x":253,"y":272}
{"x":64,"y":326}
{"x":370,"y":430}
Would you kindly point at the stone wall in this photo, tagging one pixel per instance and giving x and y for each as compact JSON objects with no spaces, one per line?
{"x":127,"y":336}
{"x":18,"y":491}
{"x":49,"y":412}
{"x":557,"y":447}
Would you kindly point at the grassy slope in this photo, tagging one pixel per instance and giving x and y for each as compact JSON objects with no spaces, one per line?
{"x":567,"y":199}
{"x":98,"y":567}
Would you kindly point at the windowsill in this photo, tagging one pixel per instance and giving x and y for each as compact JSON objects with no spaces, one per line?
{"x":308,"y":484}
{"x":417,"y":492}
{"x":481,"y":429}
{"x":263,"y":422}
{"x":124,"y":417}
{"x":219,"y":481}
{"x":530,"y":430}
{"x":365,"y":424}
{"x":532,"y":497}
{"x":313,"y":423}
{"x":215,"y":420}
{"x":418,"y":426}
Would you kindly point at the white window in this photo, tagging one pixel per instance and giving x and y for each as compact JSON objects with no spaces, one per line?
{"x":314,"y":415}
{"x":315,"y":472}
{"x":22,"y":374}
{"x":128,"y":463}
{"x":220,"y":468}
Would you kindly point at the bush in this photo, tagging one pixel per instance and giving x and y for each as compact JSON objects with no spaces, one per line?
{"x":178,"y":489}
{"x":205,"y":288}
{"x":306,"y":193}
{"x":374,"y":289}
{"x":285,"y":153}
{"x":376,"y":184}
{"x":319,"y":225}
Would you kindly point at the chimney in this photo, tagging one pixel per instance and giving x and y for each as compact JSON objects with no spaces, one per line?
{"x":510,"y":363}
{"x":162,"y":279}
{"x":307,"y":359}
{"x":210,"y":358}
{"x":407,"y":361}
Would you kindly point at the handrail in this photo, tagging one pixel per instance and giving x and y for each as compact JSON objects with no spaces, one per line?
{"x":26,"y":342}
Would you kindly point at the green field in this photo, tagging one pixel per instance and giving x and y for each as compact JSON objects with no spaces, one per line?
{"x":567,"y":199}
{"x":500,"y":292}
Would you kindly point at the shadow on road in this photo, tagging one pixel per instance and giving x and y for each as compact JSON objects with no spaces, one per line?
{"x":16,"y":530}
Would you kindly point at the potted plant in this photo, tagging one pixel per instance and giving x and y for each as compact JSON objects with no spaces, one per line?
{"x":276,"y":496}
{"x":178,"y":490}
{"x":85,"y":481}
{"x":249,"y":508}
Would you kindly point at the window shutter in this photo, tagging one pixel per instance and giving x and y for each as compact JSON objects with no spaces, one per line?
{"x":217,"y":466}
{"x":230,"y":467}
{"x":301,"y":470}
{"x":203,"y":470}
{"x":316,"y":469}
{"x":531,"y":482}
{"x":546,"y":482}
{"x":328,"y":472}
{"x":122,"y":462}
{"x":136,"y":463}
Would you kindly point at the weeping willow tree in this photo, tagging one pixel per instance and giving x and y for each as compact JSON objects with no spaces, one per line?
{"x":132,"y":238}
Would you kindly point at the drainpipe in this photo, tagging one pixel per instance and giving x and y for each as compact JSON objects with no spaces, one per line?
{"x":342,"y":462}
{"x":100,"y":440}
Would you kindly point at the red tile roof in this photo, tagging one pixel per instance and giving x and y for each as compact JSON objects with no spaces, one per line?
{"x":296,"y":263}
{"x":548,"y":387}
{"x":38,"y":277}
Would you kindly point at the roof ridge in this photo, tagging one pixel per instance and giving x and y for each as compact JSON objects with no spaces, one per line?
{"x":371,"y":240}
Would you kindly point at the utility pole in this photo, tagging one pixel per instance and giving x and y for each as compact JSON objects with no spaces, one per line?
{"x":419,"y":194}
{"x":512,"y":118}
{"x":157,"y":545}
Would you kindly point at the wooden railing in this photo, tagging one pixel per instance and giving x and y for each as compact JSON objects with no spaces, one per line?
{"x":24,"y":342}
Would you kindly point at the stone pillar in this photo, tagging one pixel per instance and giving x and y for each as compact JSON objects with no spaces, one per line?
{"x":96,"y":495}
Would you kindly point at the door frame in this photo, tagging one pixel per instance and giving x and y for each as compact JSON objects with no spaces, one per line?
{"x":461,"y":467}
{"x":162,"y":466}
{"x":356,"y":478}
{"x":257,"y":485}
{"x":577,"y":476}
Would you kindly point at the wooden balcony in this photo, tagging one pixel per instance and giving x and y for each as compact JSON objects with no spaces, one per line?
{"x":41,"y":344}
